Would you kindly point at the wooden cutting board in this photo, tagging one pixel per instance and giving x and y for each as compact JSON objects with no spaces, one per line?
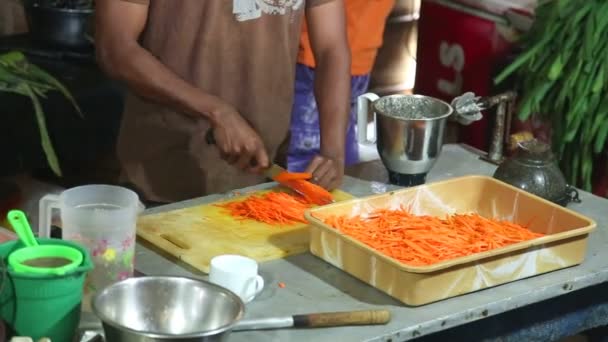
{"x":195,"y":235}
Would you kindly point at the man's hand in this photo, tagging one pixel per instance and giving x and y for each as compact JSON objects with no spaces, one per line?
{"x":327,"y":172}
{"x":238,"y":143}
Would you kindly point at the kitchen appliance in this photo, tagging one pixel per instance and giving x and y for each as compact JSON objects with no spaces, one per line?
{"x":163,"y":308}
{"x":409,"y":129}
{"x":409,"y":133}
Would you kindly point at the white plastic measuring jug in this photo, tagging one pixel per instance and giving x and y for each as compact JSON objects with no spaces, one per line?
{"x":103,"y":218}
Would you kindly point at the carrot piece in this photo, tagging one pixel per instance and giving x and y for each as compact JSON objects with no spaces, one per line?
{"x":289,"y":176}
{"x":298,"y":181}
{"x":426,"y":240}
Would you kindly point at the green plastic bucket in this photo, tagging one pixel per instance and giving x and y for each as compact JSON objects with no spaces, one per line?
{"x":39,"y":305}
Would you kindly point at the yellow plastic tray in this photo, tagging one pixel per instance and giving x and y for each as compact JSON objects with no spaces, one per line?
{"x":564,"y":245}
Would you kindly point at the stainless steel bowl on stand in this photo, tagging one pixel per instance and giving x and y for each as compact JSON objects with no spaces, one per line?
{"x":409,"y":129}
{"x":409,"y":133}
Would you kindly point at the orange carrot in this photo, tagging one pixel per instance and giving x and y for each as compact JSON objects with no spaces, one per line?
{"x":288,"y":176}
{"x":274,"y":208}
{"x":298,"y":181}
{"x":426,"y":240}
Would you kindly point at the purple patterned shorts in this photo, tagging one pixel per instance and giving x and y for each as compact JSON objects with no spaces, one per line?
{"x":305,"y":136}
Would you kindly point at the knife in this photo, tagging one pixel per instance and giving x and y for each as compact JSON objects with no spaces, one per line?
{"x":271,"y":172}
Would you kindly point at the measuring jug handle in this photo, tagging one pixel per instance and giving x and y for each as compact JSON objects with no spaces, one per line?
{"x":140,"y":207}
{"x":45,"y":214}
{"x":364,"y":109}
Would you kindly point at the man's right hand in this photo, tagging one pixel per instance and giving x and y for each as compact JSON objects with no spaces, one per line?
{"x":238,"y":142}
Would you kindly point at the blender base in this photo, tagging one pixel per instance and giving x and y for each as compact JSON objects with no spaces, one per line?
{"x":401,"y":179}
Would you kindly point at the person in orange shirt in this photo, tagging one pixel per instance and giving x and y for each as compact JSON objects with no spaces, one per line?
{"x":365,"y":27}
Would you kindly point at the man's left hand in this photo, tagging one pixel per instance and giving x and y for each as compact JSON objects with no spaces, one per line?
{"x":326,"y":172}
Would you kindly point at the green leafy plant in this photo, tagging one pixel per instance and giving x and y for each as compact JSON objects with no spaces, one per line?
{"x":562,"y":74}
{"x":18,"y":76}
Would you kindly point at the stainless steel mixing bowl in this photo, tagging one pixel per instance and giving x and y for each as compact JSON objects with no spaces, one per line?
{"x":149,"y":309}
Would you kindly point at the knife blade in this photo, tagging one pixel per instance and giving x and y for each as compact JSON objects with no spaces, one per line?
{"x":273,"y":171}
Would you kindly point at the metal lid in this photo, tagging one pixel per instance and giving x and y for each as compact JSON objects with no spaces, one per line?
{"x":534,"y":151}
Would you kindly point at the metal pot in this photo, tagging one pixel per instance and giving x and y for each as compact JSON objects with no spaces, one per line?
{"x":161,"y":309}
{"x":533,"y":168}
{"x":409,"y":132}
{"x":60,"y":27}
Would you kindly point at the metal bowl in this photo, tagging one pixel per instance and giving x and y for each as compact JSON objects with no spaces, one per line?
{"x":166,"y":309}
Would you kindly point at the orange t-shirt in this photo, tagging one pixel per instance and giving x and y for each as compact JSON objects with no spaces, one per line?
{"x":365,"y":20}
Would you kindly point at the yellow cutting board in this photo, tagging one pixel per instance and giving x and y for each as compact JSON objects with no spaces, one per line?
{"x":195,"y":235}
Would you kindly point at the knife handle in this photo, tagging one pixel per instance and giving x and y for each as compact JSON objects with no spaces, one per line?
{"x":334,"y":319}
{"x":210,"y":139}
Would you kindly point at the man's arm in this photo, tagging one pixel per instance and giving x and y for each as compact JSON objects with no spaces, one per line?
{"x":118,"y":27}
{"x":327,"y":34}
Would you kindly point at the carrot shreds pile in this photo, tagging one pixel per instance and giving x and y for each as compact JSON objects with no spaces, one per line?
{"x":425,"y":240}
{"x":279,"y":208}
{"x":274,"y":208}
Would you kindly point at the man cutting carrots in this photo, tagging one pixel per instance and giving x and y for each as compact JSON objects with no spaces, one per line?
{"x":226,"y":67}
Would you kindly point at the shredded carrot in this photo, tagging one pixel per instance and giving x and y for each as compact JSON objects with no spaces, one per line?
{"x":282,"y":285}
{"x":426,"y":240}
{"x":274,"y":208}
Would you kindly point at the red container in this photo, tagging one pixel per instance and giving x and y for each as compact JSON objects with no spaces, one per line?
{"x":459,"y":47}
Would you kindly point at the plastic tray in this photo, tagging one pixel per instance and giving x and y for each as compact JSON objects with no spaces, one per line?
{"x":564,"y":245}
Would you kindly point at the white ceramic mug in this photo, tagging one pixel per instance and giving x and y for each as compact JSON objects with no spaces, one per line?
{"x":238,"y":274}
